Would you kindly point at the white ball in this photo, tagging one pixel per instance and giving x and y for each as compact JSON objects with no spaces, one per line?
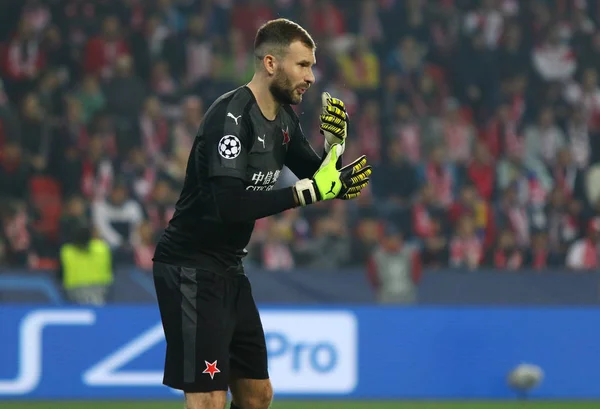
{"x":525,"y":377}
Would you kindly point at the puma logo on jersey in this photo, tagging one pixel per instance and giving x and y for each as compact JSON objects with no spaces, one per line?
{"x":230,"y":115}
{"x":331,"y":190}
{"x":262,"y":140}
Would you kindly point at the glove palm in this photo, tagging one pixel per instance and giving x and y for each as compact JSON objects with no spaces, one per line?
{"x":334,"y":121}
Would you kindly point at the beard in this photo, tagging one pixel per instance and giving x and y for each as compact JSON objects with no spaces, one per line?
{"x":282,"y":90}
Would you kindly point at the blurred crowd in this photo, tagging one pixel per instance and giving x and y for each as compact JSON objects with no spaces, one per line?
{"x":481,"y":118}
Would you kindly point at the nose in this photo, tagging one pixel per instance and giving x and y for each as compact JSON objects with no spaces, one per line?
{"x":310,"y":78}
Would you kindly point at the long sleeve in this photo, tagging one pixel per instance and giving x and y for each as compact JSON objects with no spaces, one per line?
{"x":235,"y":204}
{"x":100,"y":214}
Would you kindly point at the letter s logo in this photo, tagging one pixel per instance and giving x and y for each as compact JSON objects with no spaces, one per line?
{"x":30,"y":346}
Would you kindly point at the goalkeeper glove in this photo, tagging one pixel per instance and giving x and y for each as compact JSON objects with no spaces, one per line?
{"x":334,"y":121}
{"x":329,"y":183}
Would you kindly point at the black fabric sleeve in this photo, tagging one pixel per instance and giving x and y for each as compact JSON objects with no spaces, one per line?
{"x":236,"y":204}
{"x":301,"y":157}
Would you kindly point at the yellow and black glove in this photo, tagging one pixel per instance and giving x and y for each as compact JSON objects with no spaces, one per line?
{"x":334,"y":121}
{"x":328,"y":182}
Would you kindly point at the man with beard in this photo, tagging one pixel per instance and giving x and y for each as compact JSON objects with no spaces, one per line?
{"x":215,"y":339}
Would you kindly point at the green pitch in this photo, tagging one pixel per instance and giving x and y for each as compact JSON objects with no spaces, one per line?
{"x":314,"y":405}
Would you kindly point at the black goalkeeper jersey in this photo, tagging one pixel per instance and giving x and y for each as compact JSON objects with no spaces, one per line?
{"x":236,"y":141}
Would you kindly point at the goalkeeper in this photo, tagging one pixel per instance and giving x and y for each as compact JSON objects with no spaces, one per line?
{"x":214,"y":335}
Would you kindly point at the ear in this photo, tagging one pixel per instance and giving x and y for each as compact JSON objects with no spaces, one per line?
{"x":270,"y":64}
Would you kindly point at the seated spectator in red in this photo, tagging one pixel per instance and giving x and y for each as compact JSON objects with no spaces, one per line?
{"x":481,"y":171}
{"x":583,"y":254}
{"x":394,"y":269}
{"x":22,"y":59}
{"x":506,"y":255}
{"x":540,"y":256}
{"x":102,"y":51}
{"x":424,"y":211}
{"x":501,"y":134}
{"x":466,"y":248}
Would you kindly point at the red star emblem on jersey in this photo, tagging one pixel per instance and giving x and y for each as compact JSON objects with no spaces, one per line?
{"x":211,"y":369}
{"x":286,"y":136}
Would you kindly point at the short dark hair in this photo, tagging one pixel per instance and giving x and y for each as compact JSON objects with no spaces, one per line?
{"x":275,"y":36}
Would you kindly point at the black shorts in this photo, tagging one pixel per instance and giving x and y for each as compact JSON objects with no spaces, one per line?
{"x":212,"y":328}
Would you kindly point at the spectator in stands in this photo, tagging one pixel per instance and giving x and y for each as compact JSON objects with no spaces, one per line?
{"x":190,"y":53}
{"x":36,"y":135}
{"x":366,"y":238}
{"x":481,"y":172}
{"x":567,"y":176}
{"x":91,"y":98}
{"x":544,"y":139}
{"x":14,"y":172}
{"x":394,"y":269}
{"x":117,"y":218}
{"x":554,"y":60}
{"x":360,"y":67}
{"x":466,"y":247}
{"x":125,"y":94}
{"x":586,"y":95}
{"x":143,"y":248}
{"x":514,"y":215}
{"x":85,"y":267}
{"x":580,"y":138}
{"x":23,"y":60}
{"x":453,"y":132}
{"x":583,"y":254}
{"x":540,"y":256}
{"x":159,"y":206}
{"x":506,"y":255}
{"x":74,"y":213}
{"x":276,"y":251}
{"x":435,"y":252}
{"x":395,"y":180}
{"x":16,"y":234}
{"x":104,"y":50}
{"x":441,"y":175}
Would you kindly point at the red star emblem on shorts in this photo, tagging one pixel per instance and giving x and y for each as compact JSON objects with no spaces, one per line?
{"x":211,"y":369}
{"x":286,"y":136}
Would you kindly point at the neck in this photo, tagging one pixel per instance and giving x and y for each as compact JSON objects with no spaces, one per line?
{"x":265,"y":100}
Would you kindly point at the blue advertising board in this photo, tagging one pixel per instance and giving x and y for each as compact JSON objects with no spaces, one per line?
{"x":353,"y":352}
